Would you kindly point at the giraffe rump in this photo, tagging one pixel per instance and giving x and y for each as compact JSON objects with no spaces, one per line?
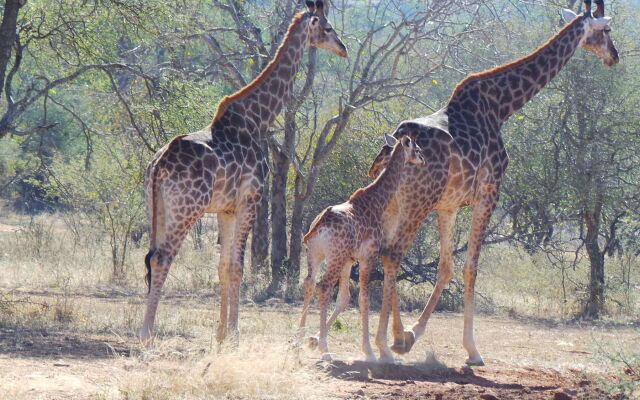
{"x":315,"y":225}
{"x":153,"y":228}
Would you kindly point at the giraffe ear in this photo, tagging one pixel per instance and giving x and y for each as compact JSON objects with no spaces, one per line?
{"x":568,"y":15}
{"x":311,"y":6}
{"x":390,"y":140}
{"x":600,"y":23}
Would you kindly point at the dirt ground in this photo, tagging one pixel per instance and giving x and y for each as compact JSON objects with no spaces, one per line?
{"x":525,"y":359}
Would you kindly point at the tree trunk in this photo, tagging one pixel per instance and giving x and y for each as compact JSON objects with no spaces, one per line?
{"x":260,"y":234}
{"x":297,"y":223}
{"x":595,"y":303}
{"x":281,"y":165}
{"x":295,"y":240}
{"x":8,"y":35}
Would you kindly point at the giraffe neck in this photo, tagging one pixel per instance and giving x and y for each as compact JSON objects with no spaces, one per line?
{"x":260,"y":102}
{"x":377,"y":196}
{"x":509,"y":87}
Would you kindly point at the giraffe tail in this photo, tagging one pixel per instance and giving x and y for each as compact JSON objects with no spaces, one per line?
{"x":156,"y":173}
{"x":315,"y":225}
{"x":157,"y":213}
{"x":147,"y":262}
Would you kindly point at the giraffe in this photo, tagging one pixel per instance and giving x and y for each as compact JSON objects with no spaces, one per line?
{"x":222,"y":169}
{"x":352,"y":232}
{"x":465,"y":161}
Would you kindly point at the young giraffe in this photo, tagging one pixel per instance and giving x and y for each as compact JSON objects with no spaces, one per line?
{"x":465,"y":161}
{"x":352,"y":232}
{"x":221,"y":169}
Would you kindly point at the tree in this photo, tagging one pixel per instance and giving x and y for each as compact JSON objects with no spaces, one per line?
{"x":574,"y":169}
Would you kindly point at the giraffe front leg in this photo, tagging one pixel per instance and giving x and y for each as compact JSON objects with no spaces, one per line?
{"x":446,"y":226}
{"x":323,"y":300}
{"x":390,"y":270}
{"x":226,"y":227}
{"x":481,"y":216}
{"x":403,"y":340}
{"x":363,"y":302}
{"x":244,"y":223}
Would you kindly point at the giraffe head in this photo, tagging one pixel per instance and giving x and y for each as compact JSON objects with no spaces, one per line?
{"x":413,"y":154}
{"x":596,"y":37}
{"x":321,"y":33}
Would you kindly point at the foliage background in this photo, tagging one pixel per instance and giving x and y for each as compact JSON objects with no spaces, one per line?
{"x":93,"y":88}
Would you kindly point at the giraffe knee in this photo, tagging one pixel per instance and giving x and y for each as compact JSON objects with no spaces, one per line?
{"x":445,"y":270}
{"x":470,"y":273}
{"x":157,"y":262}
{"x":343,"y":301}
{"x":309,"y":284}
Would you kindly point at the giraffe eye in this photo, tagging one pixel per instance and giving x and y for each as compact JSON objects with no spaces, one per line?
{"x":328,"y":30}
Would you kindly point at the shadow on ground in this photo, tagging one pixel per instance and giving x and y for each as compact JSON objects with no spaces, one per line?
{"x":429,"y":372}
{"x":21,"y":343}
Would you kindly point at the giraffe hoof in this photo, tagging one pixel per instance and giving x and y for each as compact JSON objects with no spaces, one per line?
{"x":475,"y":362}
{"x":405,"y":344}
{"x":312,"y":342}
{"x":370,"y":358}
{"x":327,"y":357}
{"x":386,"y":359}
{"x":146,"y":337}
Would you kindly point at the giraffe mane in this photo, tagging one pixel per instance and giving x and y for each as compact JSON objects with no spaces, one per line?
{"x":251,"y":87}
{"x":356,"y":194}
{"x":397,"y":148}
{"x":513,"y":64}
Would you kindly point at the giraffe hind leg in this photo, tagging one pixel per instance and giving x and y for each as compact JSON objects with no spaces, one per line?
{"x":158,"y":261}
{"x":329,"y":280}
{"x":342,"y":301}
{"x":314,"y":258}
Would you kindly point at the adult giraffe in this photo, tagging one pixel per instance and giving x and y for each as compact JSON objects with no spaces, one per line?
{"x":465,"y":161}
{"x":221,"y":169}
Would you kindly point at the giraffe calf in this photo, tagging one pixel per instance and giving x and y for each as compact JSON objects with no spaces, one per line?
{"x":352,"y":232}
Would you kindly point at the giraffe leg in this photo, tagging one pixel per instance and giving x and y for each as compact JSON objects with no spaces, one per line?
{"x":390,"y":270}
{"x":342,"y":301}
{"x":446,"y":226}
{"x":244,"y":222}
{"x":363,"y":302}
{"x":160,"y":260}
{"x":403,"y":340}
{"x":314,"y":258}
{"x":226,"y":227}
{"x":481,"y":215}
{"x":327,"y":282}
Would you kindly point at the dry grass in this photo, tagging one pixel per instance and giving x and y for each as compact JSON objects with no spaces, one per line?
{"x":67,"y":330}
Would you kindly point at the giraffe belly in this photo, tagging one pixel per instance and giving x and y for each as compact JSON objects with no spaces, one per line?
{"x":229,"y":198}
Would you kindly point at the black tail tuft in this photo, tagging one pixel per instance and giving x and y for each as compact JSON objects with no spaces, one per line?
{"x":147,"y":261}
